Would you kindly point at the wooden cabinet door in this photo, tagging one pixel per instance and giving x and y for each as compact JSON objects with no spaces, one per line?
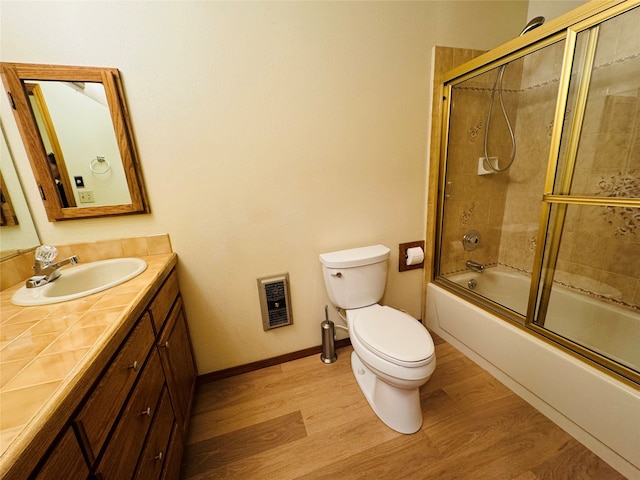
{"x":121,"y":453}
{"x":65,"y":460}
{"x":174,"y":455}
{"x":95,"y":419}
{"x":179,"y":366}
{"x":155,"y":448}
{"x":161,"y":305}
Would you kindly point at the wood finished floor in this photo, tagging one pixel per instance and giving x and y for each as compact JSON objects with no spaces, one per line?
{"x":307,"y":420}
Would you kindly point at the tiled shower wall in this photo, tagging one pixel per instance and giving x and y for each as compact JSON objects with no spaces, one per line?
{"x":503,"y":207}
{"x":537,"y":93}
{"x":600,"y":249}
{"x":445,"y":59}
{"x":476,"y":202}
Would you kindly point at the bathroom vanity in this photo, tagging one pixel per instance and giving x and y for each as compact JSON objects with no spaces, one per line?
{"x":121,"y":410}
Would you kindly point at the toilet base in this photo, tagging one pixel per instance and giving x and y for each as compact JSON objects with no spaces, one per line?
{"x":398,"y":408}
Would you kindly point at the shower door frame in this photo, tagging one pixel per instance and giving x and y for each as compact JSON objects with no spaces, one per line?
{"x":567,"y":28}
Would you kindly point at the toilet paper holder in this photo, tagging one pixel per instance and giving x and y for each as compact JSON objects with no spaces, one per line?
{"x":402,"y":256}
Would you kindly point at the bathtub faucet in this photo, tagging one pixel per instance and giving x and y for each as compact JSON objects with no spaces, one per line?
{"x":475,"y":266}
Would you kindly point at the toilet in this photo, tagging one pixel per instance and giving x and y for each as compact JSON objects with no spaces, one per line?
{"x":393,"y":354}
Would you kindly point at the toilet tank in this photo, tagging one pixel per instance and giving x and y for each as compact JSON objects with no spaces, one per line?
{"x":356,"y":277}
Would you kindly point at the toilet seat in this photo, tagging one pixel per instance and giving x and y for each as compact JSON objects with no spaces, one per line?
{"x":392,"y":335}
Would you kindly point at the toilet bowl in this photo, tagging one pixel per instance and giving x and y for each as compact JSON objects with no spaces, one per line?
{"x":393,"y":354}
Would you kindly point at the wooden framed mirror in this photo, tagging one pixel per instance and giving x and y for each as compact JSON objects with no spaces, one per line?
{"x":77,"y":133}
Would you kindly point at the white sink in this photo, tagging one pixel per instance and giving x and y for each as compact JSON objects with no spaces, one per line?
{"x":81,"y":280}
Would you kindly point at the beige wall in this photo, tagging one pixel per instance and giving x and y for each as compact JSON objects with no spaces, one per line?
{"x":268,"y":133}
{"x":551,"y":8}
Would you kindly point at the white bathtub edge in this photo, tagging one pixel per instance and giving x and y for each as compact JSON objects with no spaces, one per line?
{"x":613,"y":434}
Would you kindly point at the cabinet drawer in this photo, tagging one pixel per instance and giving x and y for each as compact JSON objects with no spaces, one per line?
{"x":122,"y":452}
{"x":96,"y":417}
{"x":161,"y":305}
{"x":65,"y":460}
{"x":155,"y":449}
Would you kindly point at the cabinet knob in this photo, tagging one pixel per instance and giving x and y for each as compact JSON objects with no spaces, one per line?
{"x":134,"y":366}
{"x":158,"y":457}
{"x":165,"y":344}
{"x":146,"y":412}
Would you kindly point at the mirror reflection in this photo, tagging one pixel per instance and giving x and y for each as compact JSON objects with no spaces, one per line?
{"x":17,"y":231}
{"x":79,"y":141}
{"x":8,"y":215}
{"x":78,"y":136}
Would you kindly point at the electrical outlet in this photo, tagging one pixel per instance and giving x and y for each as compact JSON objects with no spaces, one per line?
{"x":86,"y":196}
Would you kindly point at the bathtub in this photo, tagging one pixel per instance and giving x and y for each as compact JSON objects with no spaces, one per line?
{"x":601,"y":412}
{"x":603,"y":327}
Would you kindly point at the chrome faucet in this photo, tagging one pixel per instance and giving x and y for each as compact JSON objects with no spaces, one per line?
{"x":45,"y":270}
{"x":475,"y":266}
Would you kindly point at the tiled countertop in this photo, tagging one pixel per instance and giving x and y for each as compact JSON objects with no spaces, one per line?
{"x":48,"y":352}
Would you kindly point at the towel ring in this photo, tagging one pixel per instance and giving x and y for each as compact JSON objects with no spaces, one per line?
{"x":103,"y":162}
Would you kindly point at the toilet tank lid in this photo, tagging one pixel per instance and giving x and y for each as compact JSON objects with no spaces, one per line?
{"x":355,"y":257}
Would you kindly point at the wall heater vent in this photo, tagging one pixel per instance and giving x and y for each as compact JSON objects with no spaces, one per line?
{"x":275,"y":301}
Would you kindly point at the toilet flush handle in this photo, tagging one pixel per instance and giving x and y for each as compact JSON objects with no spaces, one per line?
{"x":337,"y":274}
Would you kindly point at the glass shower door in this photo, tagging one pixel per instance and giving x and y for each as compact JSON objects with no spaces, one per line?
{"x":491,"y":212}
{"x":590,"y":288}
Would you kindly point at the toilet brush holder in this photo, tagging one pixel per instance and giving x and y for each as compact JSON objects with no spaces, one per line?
{"x":328,"y":354}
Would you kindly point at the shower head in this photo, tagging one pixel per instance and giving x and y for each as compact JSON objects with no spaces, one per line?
{"x":533,"y":23}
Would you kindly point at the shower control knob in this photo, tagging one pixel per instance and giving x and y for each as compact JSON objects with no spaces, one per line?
{"x":471,"y":240}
